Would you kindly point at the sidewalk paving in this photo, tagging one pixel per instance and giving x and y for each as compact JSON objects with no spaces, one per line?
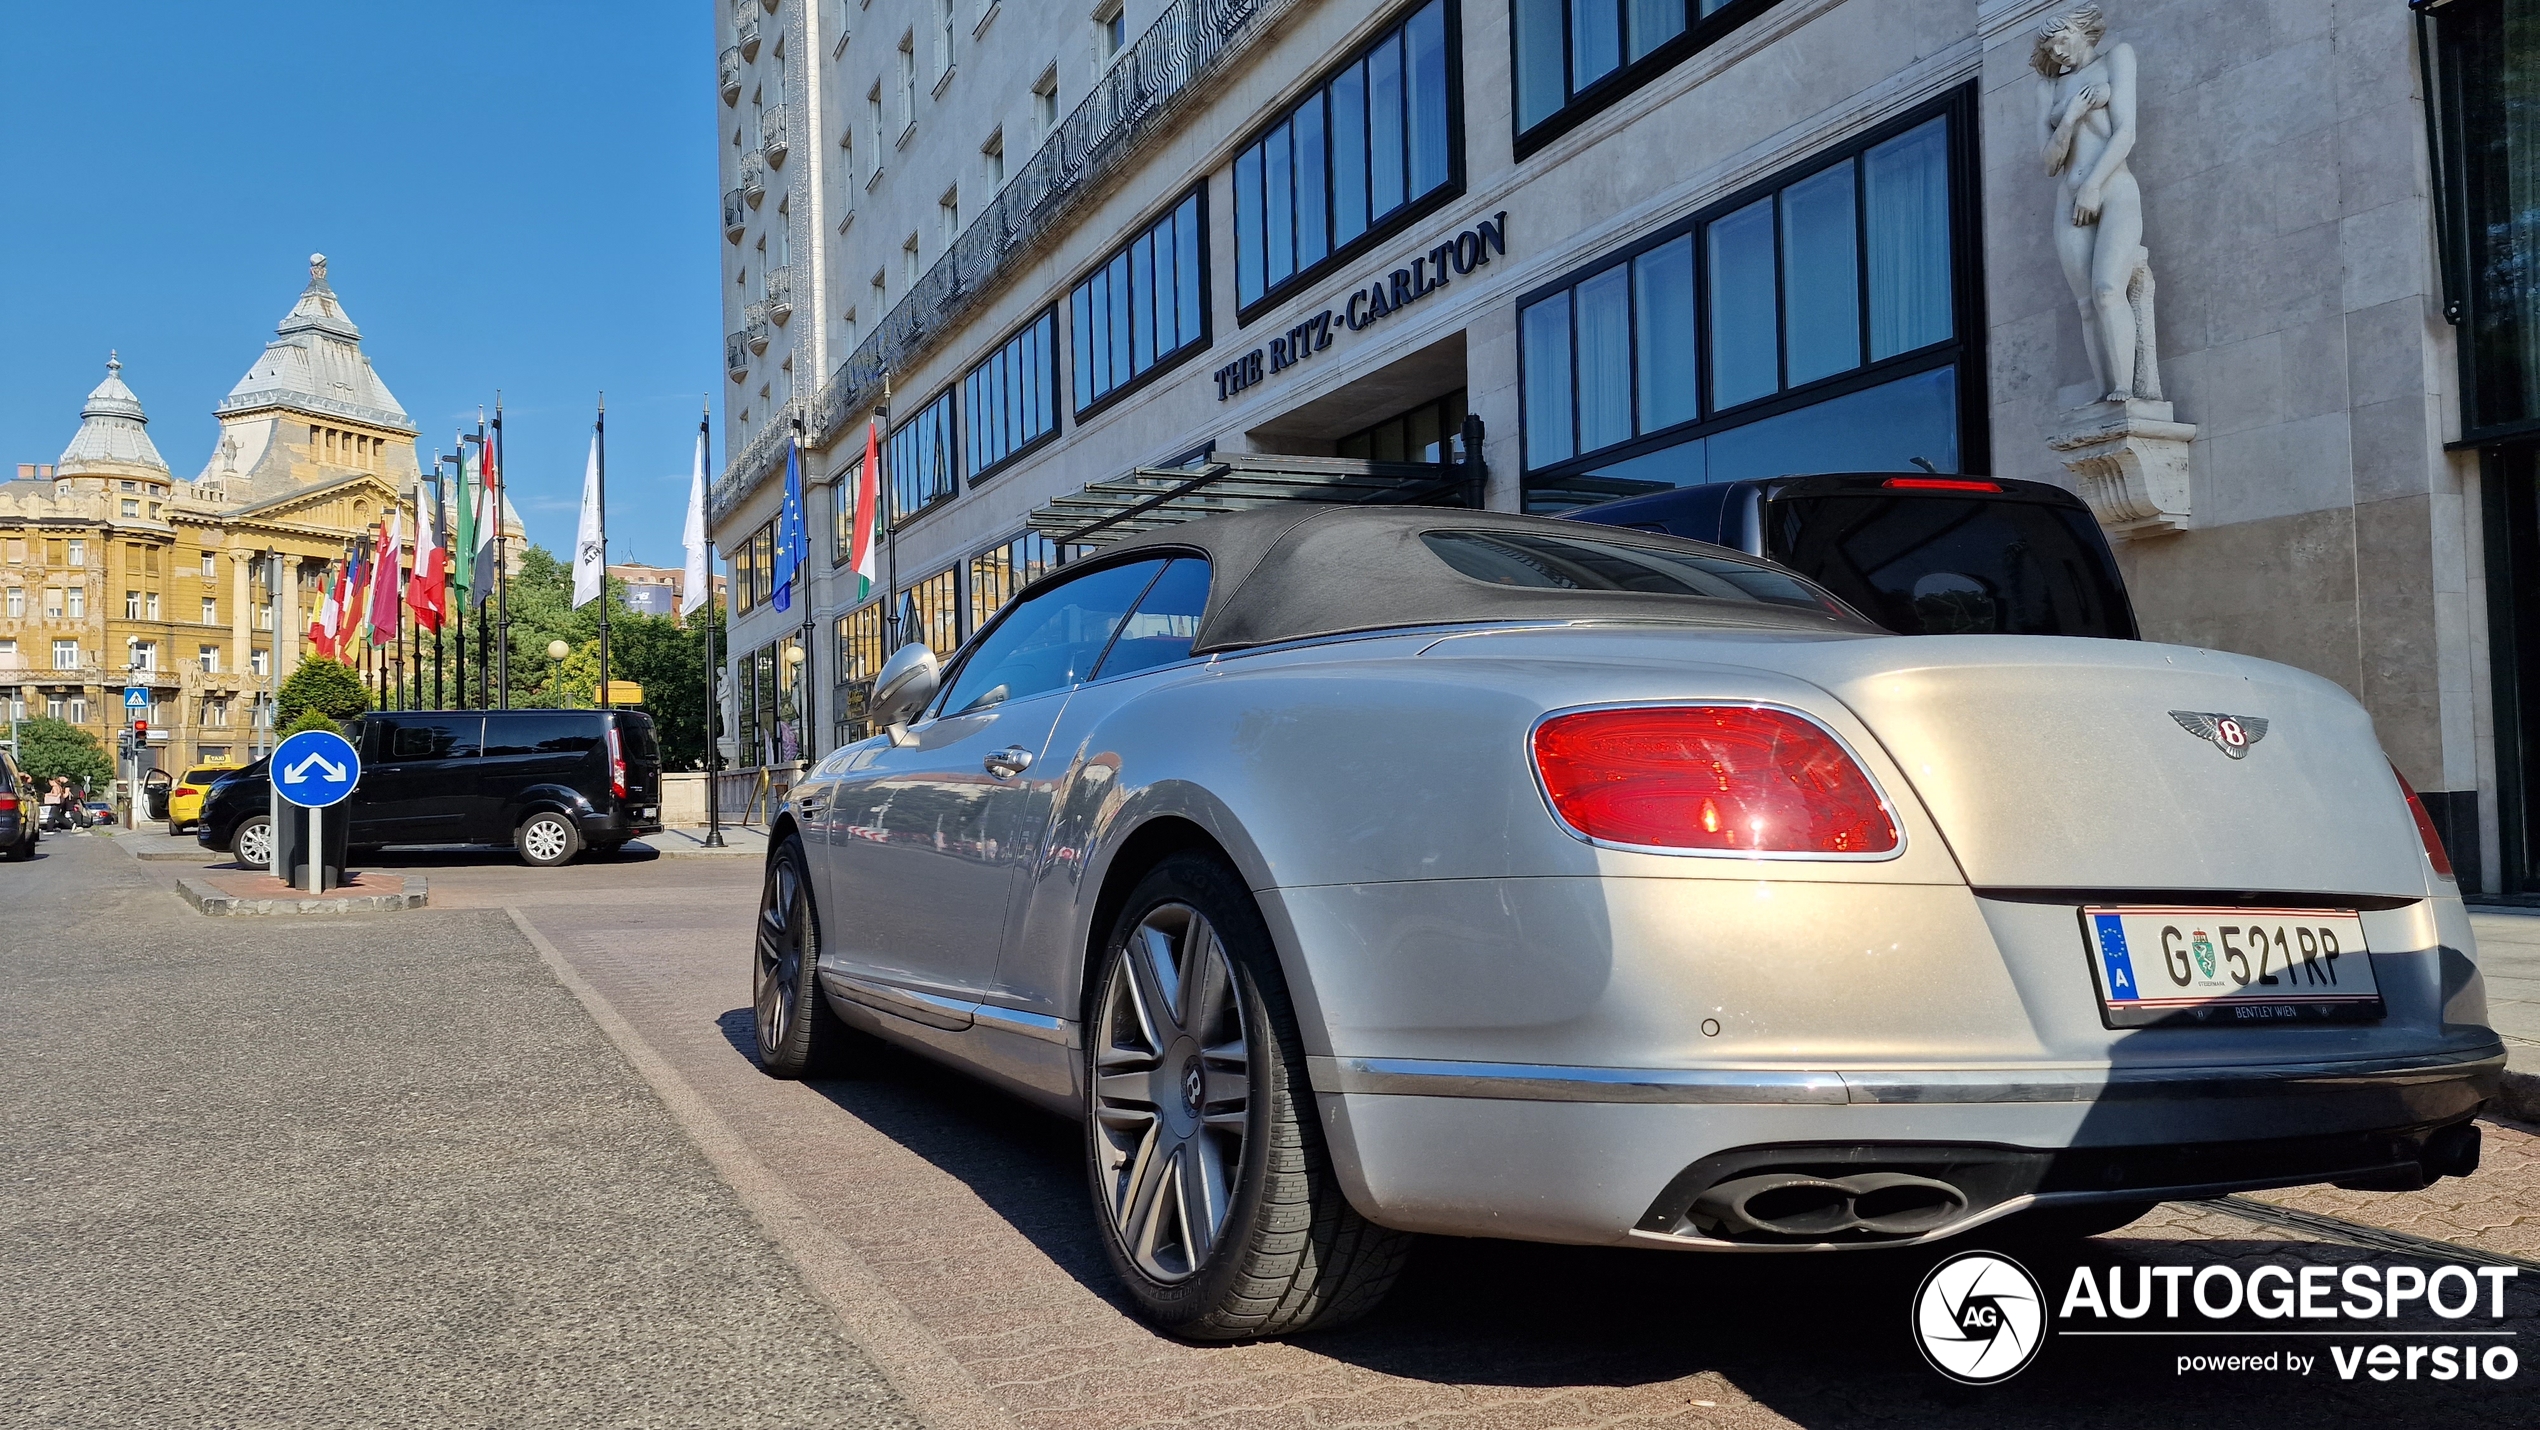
{"x":153,"y":844}
{"x":2509,"y":959}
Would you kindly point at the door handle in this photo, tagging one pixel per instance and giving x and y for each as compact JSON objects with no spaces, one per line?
{"x":1005,"y":764}
{"x":813,"y":804}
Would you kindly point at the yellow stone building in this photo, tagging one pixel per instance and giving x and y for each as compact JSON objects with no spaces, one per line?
{"x":114,"y":574}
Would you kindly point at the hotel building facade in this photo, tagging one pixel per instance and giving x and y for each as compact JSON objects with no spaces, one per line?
{"x":1085,"y":267}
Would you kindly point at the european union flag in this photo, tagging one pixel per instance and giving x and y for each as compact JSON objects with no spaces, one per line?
{"x":2112,"y":952}
{"x":791,"y":538}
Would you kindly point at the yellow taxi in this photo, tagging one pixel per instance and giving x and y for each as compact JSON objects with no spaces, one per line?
{"x":185,"y":798}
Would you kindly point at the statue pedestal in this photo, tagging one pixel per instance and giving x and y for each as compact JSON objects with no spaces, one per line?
{"x":2130,"y":463}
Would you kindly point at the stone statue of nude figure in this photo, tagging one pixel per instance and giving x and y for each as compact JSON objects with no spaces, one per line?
{"x":2085,"y":105}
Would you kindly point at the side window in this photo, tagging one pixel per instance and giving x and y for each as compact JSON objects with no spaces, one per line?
{"x":450,"y":739}
{"x":1051,"y":641}
{"x":563,"y":733}
{"x":1160,"y":631}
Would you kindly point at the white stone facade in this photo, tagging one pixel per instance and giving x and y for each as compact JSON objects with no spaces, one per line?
{"x":2285,"y":184}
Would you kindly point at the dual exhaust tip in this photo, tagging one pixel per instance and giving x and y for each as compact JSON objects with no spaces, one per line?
{"x":1796,"y":1204}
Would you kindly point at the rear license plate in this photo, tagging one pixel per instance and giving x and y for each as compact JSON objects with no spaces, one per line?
{"x":2236,"y":967}
{"x":651,"y":811}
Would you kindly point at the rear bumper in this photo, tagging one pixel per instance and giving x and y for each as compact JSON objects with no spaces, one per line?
{"x":618,"y":826}
{"x":1604,"y":1155}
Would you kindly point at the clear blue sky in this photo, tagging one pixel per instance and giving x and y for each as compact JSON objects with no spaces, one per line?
{"x":517,"y":196}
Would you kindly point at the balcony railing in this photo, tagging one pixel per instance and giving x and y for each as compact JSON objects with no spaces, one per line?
{"x":736,"y":214}
{"x":772,"y":134}
{"x":1170,"y":70}
{"x":736,"y":355}
{"x":727,"y":73}
{"x":754,"y":325}
{"x":780,"y":293}
{"x":753,"y":177}
{"x":745,"y":28}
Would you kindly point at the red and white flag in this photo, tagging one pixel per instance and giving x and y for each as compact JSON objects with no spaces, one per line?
{"x":330,"y":614}
{"x":386,"y":589}
{"x":425,"y":593}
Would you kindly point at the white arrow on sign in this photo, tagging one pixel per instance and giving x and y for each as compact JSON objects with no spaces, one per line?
{"x":299,"y":773}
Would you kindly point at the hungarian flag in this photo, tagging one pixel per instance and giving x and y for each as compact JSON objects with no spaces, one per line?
{"x":463,"y":553}
{"x":331,"y":609}
{"x":425,"y":595}
{"x":386,"y":589}
{"x":489,"y":520}
{"x":868,"y":499}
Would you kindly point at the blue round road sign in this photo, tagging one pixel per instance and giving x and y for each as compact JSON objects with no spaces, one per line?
{"x":316,"y":768}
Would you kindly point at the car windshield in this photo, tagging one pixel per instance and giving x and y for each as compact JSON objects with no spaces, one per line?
{"x":1579,"y":563}
{"x":1934,"y":565}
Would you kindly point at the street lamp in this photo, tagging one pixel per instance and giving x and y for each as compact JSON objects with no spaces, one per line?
{"x":556,"y":651}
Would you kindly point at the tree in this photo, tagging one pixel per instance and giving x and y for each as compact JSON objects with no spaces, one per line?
{"x":49,"y":747}
{"x":311,"y":718}
{"x":326,"y":686}
{"x":657,"y":652}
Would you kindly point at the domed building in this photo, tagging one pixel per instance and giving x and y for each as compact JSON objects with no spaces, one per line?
{"x":115,"y":574}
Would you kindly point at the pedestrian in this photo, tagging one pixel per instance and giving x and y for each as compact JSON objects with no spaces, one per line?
{"x":52,"y":805}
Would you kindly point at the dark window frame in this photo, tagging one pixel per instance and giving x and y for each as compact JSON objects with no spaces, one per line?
{"x":1377,"y":233}
{"x":1053,"y":380}
{"x":1966,"y":348}
{"x":1164,"y":362}
{"x":890,"y":495}
{"x":1700,"y":33}
{"x":2442,"y":41}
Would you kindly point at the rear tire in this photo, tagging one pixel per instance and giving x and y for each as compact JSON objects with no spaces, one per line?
{"x":251,"y":844}
{"x":799,"y":1034}
{"x":547,"y":839}
{"x":1199,"y":1104}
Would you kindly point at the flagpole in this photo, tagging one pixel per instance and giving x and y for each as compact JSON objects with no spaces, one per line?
{"x":438,"y":507}
{"x":600,"y":450}
{"x":502,"y":580}
{"x":458,"y":632}
{"x":883,"y":513}
{"x":714,"y":704}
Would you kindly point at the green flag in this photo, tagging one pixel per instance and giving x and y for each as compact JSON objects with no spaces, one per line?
{"x":463,"y":552}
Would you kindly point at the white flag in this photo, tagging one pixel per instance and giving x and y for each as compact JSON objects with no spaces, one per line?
{"x":699,"y":578}
{"x":590,"y":554}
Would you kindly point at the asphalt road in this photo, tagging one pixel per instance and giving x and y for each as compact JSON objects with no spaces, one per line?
{"x":375,"y":1171}
{"x":326,"y":1238}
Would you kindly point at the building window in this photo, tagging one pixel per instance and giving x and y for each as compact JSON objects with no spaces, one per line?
{"x":1353,"y":161}
{"x":53,"y":602}
{"x":78,"y":602}
{"x":992,"y":161}
{"x":842,"y":492}
{"x":131,"y":508}
{"x":17,"y":551}
{"x":79,"y":553}
{"x":260,"y":662}
{"x":207,"y":566}
{"x":215,"y":714}
{"x":132,"y":605}
{"x":1010,"y":401}
{"x":211,"y":611}
{"x":908,"y":85}
{"x":943,"y":37}
{"x":9,"y":652}
{"x":207,"y":657}
{"x":938,"y":604}
{"x":145,"y":655}
{"x":17,"y":601}
{"x":908,"y":262}
{"x":847,"y":325}
{"x":881,"y":290}
{"x":66,"y":655}
{"x":1111,"y":33}
{"x":2491,"y":151}
{"x":1811,"y":323}
{"x":1430,"y":432}
{"x":881,"y":134}
{"x":1045,"y":105}
{"x":948,"y":214}
{"x":76,"y":710}
{"x":1146,"y":306}
{"x":1573,"y":57}
{"x":921,"y":461}
{"x":754,"y":568}
{"x":861,"y":642}
{"x":1000,"y":571}
{"x":150,"y":606}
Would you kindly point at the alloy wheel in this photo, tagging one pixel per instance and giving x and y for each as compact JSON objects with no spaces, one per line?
{"x":1172,"y":1092}
{"x":545,"y":839}
{"x":778,"y":969}
{"x":255,"y":846}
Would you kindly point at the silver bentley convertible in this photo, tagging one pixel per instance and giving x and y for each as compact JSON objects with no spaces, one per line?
{"x":1351,"y":873}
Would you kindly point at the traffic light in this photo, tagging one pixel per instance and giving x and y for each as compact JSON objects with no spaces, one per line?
{"x":140,"y":732}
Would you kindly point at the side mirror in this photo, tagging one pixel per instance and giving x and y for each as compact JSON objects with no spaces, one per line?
{"x":908,"y":680}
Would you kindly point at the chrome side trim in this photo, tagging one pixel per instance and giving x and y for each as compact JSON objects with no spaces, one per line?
{"x":930,"y":1009}
{"x":1031,"y":1025}
{"x":1540,"y":1082}
{"x":1543,"y":1082}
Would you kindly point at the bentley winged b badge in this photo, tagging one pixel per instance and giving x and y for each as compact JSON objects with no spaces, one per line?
{"x":2231,"y":734}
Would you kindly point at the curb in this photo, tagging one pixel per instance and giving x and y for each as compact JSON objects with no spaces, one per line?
{"x":207,"y":899}
{"x":2518,"y":1096}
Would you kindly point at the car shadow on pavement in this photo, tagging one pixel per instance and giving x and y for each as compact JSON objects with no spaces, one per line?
{"x":1822,"y":1340}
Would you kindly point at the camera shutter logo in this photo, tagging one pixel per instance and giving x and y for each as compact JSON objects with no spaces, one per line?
{"x":1979,"y":1317}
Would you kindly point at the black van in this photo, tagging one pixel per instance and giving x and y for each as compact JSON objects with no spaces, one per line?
{"x":1920,"y":555}
{"x":550,"y":783}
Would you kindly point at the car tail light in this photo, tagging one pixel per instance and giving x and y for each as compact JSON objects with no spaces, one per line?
{"x":1732,"y":778}
{"x":1941,"y":484}
{"x":8,"y":804}
{"x":617,"y":766}
{"x":2425,"y":826}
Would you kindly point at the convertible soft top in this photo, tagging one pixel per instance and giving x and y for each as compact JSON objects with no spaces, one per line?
{"x":1291,"y":572}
